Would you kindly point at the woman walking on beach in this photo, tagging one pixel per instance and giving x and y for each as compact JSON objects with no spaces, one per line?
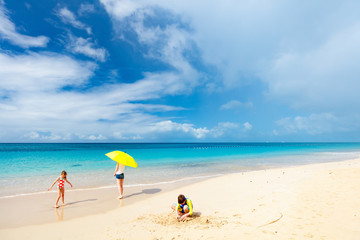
{"x":119,"y":174}
{"x":61,"y":187}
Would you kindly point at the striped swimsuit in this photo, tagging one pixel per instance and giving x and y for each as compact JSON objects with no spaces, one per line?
{"x":61,"y":183}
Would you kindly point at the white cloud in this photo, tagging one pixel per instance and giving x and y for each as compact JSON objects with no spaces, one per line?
{"x":169,"y":126}
{"x":119,"y":135}
{"x":103,"y":113}
{"x":47,"y":136}
{"x":87,"y":48}
{"x":98,"y":137}
{"x":69,"y":17}
{"x":156,"y":107}
{"x":222,"y":43}
{"x":34,"y":107}
{"x":120,"y":9}
{"x":235,"y":105}
{"x":86,"y":8}
{"x":27,"y":5}
{"x":9,"y":32}
{"x":314,"y":124}
{"x":153,"y":129}
{"x":325,"y":77}
{"x":166,"y":44}
{"x":247,"y":126}
{"x":240,"y":37}
{"x":223,"y":128}
{"x":41,"y":71}
{"x":308,"y":62}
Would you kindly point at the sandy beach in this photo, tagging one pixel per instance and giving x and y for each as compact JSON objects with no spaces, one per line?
{"x":316,"y":201}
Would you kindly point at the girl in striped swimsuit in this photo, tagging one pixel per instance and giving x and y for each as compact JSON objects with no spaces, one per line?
{"x":61,"y":187}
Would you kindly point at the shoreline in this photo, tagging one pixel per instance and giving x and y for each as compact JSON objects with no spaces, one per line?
{"x":89,"y":201}
{"x":304,"y":201}
{"x":97,"y":200}
{"x":195,"y":178}
{"x":88,"y":167}
{"x":238,"y":168}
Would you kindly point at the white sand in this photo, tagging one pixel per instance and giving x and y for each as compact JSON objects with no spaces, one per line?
{"x":318,"y":201}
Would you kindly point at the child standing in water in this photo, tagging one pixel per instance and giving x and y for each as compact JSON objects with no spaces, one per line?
{"x":61,"y":187}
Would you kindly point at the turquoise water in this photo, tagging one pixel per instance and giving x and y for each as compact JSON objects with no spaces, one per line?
{"x":31,"y":168}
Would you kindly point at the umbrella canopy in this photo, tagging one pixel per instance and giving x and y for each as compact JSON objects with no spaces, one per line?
{"x":123,"y":158}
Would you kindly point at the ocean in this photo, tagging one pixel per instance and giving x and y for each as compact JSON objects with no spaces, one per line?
{"x":31,"y":168}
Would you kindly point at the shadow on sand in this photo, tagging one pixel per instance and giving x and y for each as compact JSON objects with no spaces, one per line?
{"x":59,"y":212}
{"x":86,"y":200}
{"x":145,"y":191}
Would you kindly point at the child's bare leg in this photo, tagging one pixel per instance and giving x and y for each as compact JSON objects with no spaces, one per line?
{"x":119,"y":187}
{"x":186,"y":209}
{"x":58,"y":198}
{"x":63,"y":196}
{"x":122,"y":187}
{"x":173,"y":207}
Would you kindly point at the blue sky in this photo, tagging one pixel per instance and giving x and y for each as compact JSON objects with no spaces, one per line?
{"x":193,"y":71}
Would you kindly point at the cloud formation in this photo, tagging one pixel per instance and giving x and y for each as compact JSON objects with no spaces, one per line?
{"x":32,"y":97}
{"x":247,"y":126}
{"x":121,"y":9}
{"x":167,"y":44}
{"x":41,"y":72}
{"x":313,"y":124}
{"x":325,"y":77}
{"x":241,"y":49}
{"x":79,"y":45}
{"x":69,"y":17}
{"x":310,"y":63}
{"x":9,"y":32}
{"x":235,"y":105}
{"x":86,"y":8}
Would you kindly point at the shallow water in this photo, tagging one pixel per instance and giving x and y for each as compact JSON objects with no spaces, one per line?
{"x":31,"y":168}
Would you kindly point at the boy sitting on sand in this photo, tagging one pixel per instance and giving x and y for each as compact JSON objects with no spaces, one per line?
{"x":184,"y":208}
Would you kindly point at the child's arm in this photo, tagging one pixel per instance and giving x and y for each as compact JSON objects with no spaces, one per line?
{"x":190,"y":207}
{"x":53,"y":184}
{"x":68,"y":182}
{"x":184,"y":216}
{"x":177,"y":212}
{"x":190,"y":210}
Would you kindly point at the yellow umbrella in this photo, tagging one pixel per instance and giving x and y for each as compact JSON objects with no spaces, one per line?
{"x":123,"y":158}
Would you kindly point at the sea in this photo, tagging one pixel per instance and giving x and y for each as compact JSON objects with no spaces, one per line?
{"x":31,"y":168}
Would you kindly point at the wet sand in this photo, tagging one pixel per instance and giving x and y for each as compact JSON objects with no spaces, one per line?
{"x":39,"y":208}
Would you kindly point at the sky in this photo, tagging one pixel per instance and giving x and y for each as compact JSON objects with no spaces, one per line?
{"x":179,"y":71}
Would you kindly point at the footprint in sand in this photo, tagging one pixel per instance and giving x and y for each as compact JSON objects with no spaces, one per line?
{"x":309,"y":235}
{"x":268,"y":232}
